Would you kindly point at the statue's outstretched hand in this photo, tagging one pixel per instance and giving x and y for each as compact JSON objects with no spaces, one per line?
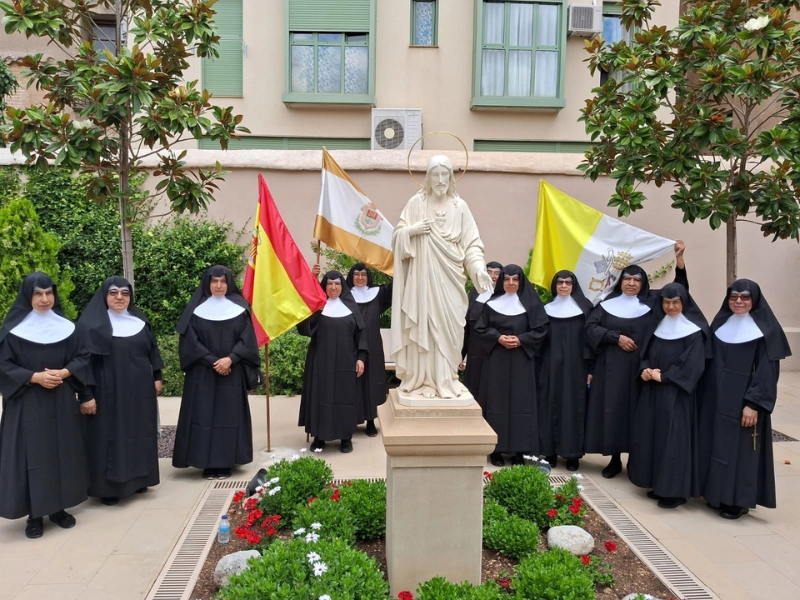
{"x":484,"y":281}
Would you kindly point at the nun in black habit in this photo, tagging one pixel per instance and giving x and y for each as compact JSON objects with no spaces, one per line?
{"x":335,"y":360}
{"x":473,"y":350}
{"x":564,"y":373}
{"x":513,"y":328}
{"x":373,"y":301}
{"x":42,"y":365}
{"x":615,"y":332}
{"x":219,"y":353}
{"x":738,"y":398}
{"x":120,"y":408}
{"x":664,"y":452}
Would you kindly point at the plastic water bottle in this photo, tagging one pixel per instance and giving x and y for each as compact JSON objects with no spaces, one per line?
{"x":224,"y":533}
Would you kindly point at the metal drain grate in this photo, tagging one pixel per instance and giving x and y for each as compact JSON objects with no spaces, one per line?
{"x":666,"y":567}
{"x":177,"y":578}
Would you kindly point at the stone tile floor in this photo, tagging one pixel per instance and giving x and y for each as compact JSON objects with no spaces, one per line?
{"x":115,"y":553}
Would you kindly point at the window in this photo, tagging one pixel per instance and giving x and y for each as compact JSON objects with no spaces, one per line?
{"x":520,"y":58}
{"x":223,"y":76}
{"x":614,"y":32}
{"x":104,"y":34}
{"x":256,"y":142}
{"x":424,"y":22}
{"x":331,"y":53}
{"x":531,"y":146}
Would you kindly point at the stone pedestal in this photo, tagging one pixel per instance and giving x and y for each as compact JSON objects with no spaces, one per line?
{"x":434,"y":491}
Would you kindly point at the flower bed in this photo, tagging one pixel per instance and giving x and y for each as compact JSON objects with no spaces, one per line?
{"x":342,"y":528}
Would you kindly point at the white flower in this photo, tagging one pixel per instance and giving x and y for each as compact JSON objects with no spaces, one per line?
{"x":259,"y":489}
{"x":312,"y":537}
{"x":275,"y":490}
{"x":272,"y":456}
{"x":316,"y":526}
{"x":577,"y":476}
{"x":303,"y":450}
{"x":317,"y":450}
{"x":320,"y":568}
{"x":300,"y":531}
{"x":275,"y":480}
{"x":580,"y":487}
{"x":82,"y":124}
{"x":295,"y":456}
{"x":324,"y":597}
{"x":313,"y":557}
{"x":757,"y":24}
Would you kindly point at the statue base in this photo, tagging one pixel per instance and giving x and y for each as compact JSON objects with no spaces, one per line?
{"x":434,"y":491}
{"x":425,"y":397}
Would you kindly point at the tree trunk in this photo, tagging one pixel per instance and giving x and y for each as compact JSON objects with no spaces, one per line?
{"x":730,"y":250}
{"x":124,"y":169}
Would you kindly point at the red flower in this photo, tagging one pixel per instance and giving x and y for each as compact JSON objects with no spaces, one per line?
{"x":237,"y":497}
{"x":242,"y":532}
{"x":576,"y":501}
{"x":405,"y":595}
{"x":250,"y":504}
{"x":347,"y":483}
{"x":256,"y":514}
{"x":552,"y":512}
{"x":611,"y":546}
{"x":271,"y":531}
{"x":254,"y":537}
{"x":574,"y":509}
{"x":559,"y":497}
{"x":487,"y":474}
{"x":586,"y":560}
{"x":504,"y":582}
{"x":335,"y":496}
{"x":311,"y":500}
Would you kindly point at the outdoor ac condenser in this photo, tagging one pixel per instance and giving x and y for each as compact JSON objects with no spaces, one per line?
{"x":396,"y":128}
{"x":585,"y":20}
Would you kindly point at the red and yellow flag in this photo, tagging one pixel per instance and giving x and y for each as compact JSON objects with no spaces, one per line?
{"x":278,"y":283}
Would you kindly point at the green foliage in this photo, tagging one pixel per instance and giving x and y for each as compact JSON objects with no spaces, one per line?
{"x":285,"y":572}
{"x":568,"y":506}
{"x":439,"y":588}
{"x":299,"y":481}
{"x":25,"y":247}
{"x":287,"y":359}
{"x":10,"y":185}
{"x":366,"y":501}
{"x":492,"y":513}
{"x":600,"y":572}
{"x":524,"y":491}
{"x":336,"y":520}
{"x":552,"y":575}
{"x":8,"y":85}
{"x":513,"y":536}
{"x":171,"y":258}
{"x":726,"y":137}
{"x":173,"y":376}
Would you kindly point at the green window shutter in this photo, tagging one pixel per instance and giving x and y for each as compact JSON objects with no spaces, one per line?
{"x":329,"y":15}
{"x":223,"y":76}
{"x":252,"y":142}
{"x":531,"y":146}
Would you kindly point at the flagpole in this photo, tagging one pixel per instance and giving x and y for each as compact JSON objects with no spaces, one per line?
{"x":266,"y":383}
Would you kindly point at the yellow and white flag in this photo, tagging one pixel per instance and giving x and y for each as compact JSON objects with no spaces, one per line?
{"x":349,"y":222}
{"x":596,"y":247}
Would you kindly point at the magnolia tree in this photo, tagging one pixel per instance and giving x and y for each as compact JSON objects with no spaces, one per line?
{"x":109,"y":105}
{"x":710,"y":107}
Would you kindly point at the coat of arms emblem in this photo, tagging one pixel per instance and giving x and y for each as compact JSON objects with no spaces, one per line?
{"x":368,"y":221}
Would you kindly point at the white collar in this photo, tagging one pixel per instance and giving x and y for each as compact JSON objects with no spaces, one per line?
{"x":739,"y":329}
{"x":124,"y":324}
{"x":482,"y":298}
{"x":334,"y":307}
{"x":44,"y":327}
{"x":625,"y":307}
{"x":218,"y":309}
{"x":675,"y":328}
{"x":365,"y":294}
{"x":507,"y":304}
{"x":563,"y":307}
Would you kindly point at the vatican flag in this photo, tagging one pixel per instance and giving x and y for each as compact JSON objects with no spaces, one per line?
{"x":594,"y":246}
{"x":349,"y":222}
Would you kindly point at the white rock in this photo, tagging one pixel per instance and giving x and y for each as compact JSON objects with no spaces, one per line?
{"x":571,"y":538}
{"x":232,"y":564}
{"x":645,"y":596}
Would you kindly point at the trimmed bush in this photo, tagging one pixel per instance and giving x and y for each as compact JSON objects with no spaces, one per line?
{"x":287,"y":359}
{"x":336,"y":520}
{"x":172,"y":375}
{"x":297,"y":482}
{"x":366,"y":501}
{"x":524,"y":491}
{"x":553,"y":575}
{"x":439,"y":588}
{"x":513,"y":536}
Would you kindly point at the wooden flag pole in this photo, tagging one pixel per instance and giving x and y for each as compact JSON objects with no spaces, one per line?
{"x":266,"y":383}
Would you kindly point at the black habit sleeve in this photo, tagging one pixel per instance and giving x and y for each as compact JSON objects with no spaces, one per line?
{"x":190,"y":350}
{"x":308,"y":326}
{"x":596,"y":334}
{"x":487,"y":335}
{"x":688,"y":369}
{"x":246,"y":348}
{"x":762,"y":392}
{"x":532,"y":341}
{"x":385,"y":295}
{"x":13,"y":378}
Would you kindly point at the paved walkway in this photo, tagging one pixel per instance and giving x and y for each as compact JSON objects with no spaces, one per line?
{"x":115,"y":553}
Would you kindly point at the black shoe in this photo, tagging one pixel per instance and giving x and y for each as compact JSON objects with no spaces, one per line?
{"x":733,"y":512}
{"x":496,"y":459}
{"x":63,"y":519}
{"x":553,"y":460}
{"x":372,"y":431}
{"x":34,"y":528}
{"x":209,"y":473}
{"x":573,"y":464}
{"x":517,"y":459}
{"x":317,"y":444}
{"x":109,"y":500}
{"x":223,"y":473}
{"x":653,"y":496}
{"x":671,"y":502}
{"x":141,"y":490}
{"x":347,"y":446}
{"x":613,"y":468}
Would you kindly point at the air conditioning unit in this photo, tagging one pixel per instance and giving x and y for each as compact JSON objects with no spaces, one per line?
{"x":585,"y":20}
{"x":396,"y":128}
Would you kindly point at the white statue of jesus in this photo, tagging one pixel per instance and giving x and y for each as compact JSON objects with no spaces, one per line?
{"x":435,"y":242}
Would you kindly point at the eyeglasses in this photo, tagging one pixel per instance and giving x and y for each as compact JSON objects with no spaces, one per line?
{"x":124,"y":293}
{"x":745,"y":297}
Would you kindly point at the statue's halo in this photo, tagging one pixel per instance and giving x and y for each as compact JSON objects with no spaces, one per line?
{"x":463,"y":145}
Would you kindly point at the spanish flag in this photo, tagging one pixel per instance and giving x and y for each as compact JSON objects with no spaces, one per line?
{"x":349,"y":222}
{"x":594,"y":246}
{"x":278,"y":283}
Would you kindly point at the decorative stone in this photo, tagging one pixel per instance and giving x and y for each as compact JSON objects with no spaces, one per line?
{"x":571,"y":538}
{"x":640,"y":596}
{"x":232,"y":564}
